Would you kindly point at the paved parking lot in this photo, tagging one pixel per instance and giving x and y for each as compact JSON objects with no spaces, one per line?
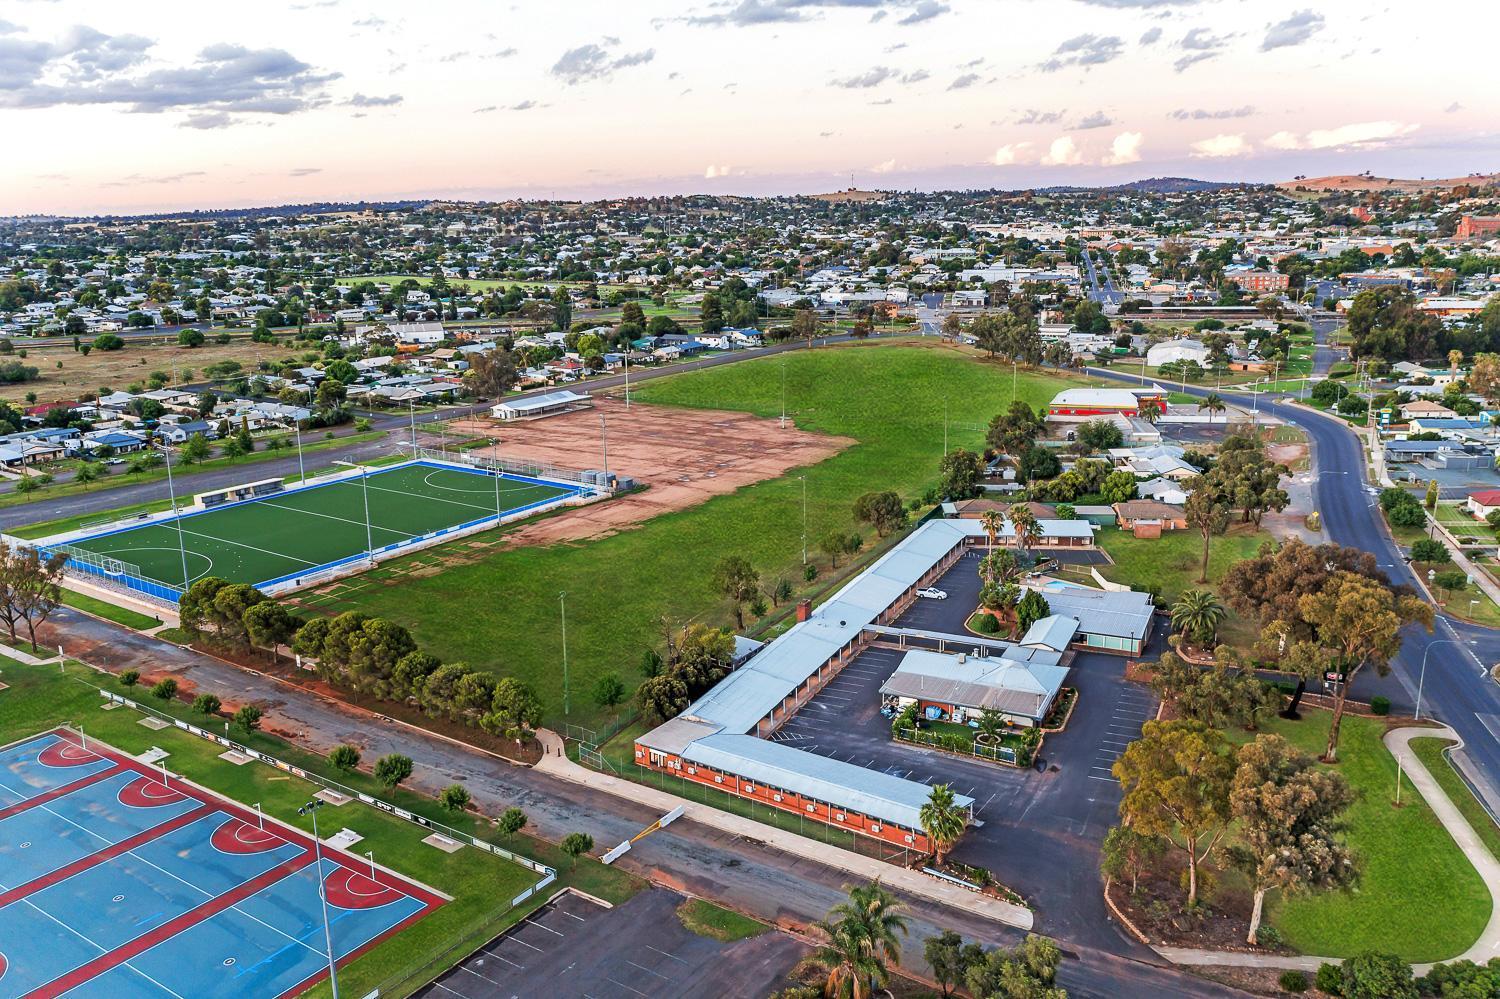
{"x":1039,"y":831}
{"x":575,"y":947}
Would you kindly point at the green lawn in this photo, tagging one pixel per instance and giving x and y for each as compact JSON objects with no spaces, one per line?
{"x":295,"y":532}
{"x":1418,"y":896}
{"x":1170,"y":564}
{"x":1431,"y":753}
{"x":717,"y":922}
{"x":41,"y":698}
{"x":108,"y":611}
{"x":502,"y":612}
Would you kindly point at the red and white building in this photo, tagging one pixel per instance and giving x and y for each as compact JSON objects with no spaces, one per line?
{"x":1107,"y":402}
{"x":1258,"y":281}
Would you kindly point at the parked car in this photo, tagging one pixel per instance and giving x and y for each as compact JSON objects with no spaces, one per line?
{"x":932,"y":593}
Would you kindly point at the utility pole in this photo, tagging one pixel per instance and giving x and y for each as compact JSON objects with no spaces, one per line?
{"x":604,"y":439}
{"x":804,"y":518}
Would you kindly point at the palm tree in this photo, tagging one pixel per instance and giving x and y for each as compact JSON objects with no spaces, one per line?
{"x":993,"y":521}
{"x":847,"y":959}
{"x":942,"y":820}
{"x":862,"y":940}
{"x":1198,"y":614}
{"x":1023,"y":523}
{"x":1213,"y":404}
{"x":1455,"y":358}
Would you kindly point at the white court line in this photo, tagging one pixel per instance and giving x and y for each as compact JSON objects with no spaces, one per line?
{"x":345,"y":520}
{"x":241,"y":544}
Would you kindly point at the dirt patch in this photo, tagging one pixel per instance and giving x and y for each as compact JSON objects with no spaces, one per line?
{"x":1218,"y":923}
{"x":685,"y":456}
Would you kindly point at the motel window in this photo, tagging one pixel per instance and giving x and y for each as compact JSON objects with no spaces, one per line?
{"x":657,"y":759}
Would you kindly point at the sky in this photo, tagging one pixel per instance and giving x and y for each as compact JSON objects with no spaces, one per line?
{"x":130,"y":107}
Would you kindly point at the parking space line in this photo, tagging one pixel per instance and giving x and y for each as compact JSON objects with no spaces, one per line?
{"x":648,"y":971}
{"x":627,"y":988}
{"x":665,"y":954}
{"x":549,"y":929}
{"x":523,"y":943}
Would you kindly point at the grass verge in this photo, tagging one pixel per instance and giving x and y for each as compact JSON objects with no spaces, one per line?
{"x":716,"y":922}
{"x":108,"y":611}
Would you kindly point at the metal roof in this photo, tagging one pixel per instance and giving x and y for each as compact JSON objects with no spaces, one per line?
{"x":993,"y":682}
{"x":1117,"y":613}
{"x":547,"y":401}
{"x":870,"y":792}
{"x":1053,"y":632}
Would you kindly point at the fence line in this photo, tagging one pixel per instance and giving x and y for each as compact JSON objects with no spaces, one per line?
{"x":954,"y":744}
{"x":500,"y":463}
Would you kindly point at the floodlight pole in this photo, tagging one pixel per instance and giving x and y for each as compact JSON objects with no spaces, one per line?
{"x":176,"y":519}
{"x":627,"y":373}
{"x":301,"y":471}
{"x":562,"y":599}
{"x":783,"y":391}
{"x":311,"y":808}
{"x":604,"y":438}
{"x":364,"y":482}
{"x":411,"y":404}
{"x":803,"y":478}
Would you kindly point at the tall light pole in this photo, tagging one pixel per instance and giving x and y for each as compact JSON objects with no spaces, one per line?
{"x":604,"y":440}
{"x":311,"y":808}
{"x":1422,"y":677}
{"x":803,"y":478}
{"x":301,"y":471}
{"x":562,"y":600}
{"x":411,"y":405}
{"x":628,"y":345}
{"x":783,"y":391}
{"x":364,"y":473}
{"x":176,"y":518}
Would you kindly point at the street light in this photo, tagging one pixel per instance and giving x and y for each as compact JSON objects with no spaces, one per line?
{"x":311,"y":808}
{"x":803,"y":480}
{"x":1422,"y":677}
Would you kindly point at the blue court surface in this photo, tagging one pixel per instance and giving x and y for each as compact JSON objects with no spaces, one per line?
{"x":118,"y":882}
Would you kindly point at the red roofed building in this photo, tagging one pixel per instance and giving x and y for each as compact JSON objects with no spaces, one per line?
{"x":1477,"y":227}
{"x":1483,"y":502}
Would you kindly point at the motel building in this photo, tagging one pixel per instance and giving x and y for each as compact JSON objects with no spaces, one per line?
{"x":1107,"y":402}
{"x":722,"y":740}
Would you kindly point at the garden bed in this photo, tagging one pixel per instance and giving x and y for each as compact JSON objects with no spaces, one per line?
{"x":1062,"y":710}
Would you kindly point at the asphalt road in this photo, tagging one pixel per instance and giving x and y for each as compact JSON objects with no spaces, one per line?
{"x":1455,"y":689}
{"x":1101,"y":284}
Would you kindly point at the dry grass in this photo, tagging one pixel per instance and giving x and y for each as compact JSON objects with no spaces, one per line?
{"x":134,"y":363}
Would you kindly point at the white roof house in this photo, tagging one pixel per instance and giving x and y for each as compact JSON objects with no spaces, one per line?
{"x":1022,"y":691}
{"x":1172,"y":351}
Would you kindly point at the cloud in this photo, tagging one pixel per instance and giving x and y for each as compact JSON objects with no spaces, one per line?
{"x":885,"y":166}
{"x":872,"y":77}
{"x":596,"y":62}
{"x":964,"y":82}
{"x":1455,"y":106}
{"x":137,"y":179}
{"x":1138,"y":4}
{"x":1063,"y":152}
{"x":211,"y":120}
{"x":1364,"y":134}
{"x":825,"y":135}
{"x":1125,"y":149}
{"x":525,"y":105}
{"x":925,"y":10}
{"x":1084,"y":50}
{"x":87,"y":68}
{"x":1151,"y":36}
{"x":916,"y":76}
{"x":1015,"y":152}
{"x":1220,"y":146}
{"x":1215,"y":114}
{"x":1295,"y":30}
{"x":1199,"y":45}
{"x":303,"y":171}
{"x":364,"y":101}
{"x":1034,"y":117}
{"x":1096,"y":120}
{"x":750,"y":13}
{"x":712,"y":172}
{"x":486,"y":109}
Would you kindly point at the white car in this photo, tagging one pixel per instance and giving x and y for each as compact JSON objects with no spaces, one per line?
{"x":933,"y":593}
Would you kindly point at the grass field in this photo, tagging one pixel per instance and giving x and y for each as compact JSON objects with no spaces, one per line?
{"x":1431,"y":753}
{"x":891,"y":398}
{"x":133,"y":363}
{"x":42,"y":698}
{"x":288,"y":533}
{"x":1169,"y":564}
{"x":1418,"y":896}
{"x":108,"y":611}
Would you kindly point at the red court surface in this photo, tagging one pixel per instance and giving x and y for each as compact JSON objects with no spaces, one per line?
{"x":118,"y":881}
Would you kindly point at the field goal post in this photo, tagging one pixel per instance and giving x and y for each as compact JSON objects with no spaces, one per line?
{"x":100,"y":564}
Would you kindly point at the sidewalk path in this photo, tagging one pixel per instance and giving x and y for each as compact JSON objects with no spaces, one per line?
{"x":555,"y":762}
{"x":1398,"y":741}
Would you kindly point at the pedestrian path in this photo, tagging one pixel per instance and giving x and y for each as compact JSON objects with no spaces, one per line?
{"x":555,"y":762}
{"x":1398,"y":741}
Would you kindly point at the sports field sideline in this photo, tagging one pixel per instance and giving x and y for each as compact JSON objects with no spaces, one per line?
{"x":287,"y":535}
